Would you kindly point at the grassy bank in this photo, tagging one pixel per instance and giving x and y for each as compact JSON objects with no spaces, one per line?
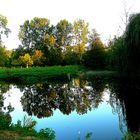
{"x":23,"y":130}
{"x":24,"y":134}
{"x":11,"y":135}
{"x":38,"y":73}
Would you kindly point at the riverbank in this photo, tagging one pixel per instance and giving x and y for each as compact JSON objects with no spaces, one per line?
{"x":37,"y":74}
{"x":12,"y":135}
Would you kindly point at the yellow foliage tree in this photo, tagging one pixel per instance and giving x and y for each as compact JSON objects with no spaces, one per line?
{"x":37,"y":57}
{"x":49,"y":40}
{"x":26,"y":60}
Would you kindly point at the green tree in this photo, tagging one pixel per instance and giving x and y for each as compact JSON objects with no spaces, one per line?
{"x":70,"y":57}
{"x":116,"y":55}
{"x":3,"y":27}
{"x":55,"y":56}
{"x":63,"y":33}
{"x":32,"y":33}
{"x":95,"y":56}
{"x":132,"y":42}
{"x":5,"y":56}
{"x":80,"y":37}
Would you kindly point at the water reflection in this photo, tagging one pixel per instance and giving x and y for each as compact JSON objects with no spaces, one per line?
{"x":80,"y":95}
{"x":4,"y":88}
{"x":126,"y":96}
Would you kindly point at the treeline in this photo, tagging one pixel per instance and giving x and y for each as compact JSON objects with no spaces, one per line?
{"x":43,"y":44}
{"x":124,"y":51}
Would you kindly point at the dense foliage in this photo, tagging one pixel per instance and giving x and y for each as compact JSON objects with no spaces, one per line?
{"x":124,"y":52}
{"x":43,"y":44}
{"x":132,"y":42}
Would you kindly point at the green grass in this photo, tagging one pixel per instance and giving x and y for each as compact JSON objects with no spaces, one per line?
{"x":38,"y":73}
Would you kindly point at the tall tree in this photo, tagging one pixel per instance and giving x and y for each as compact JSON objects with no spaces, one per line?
{"x":95,"y":56}
{"x":5,"y":56}
{"x":125,"y":15}
{"x":116,"y":54}
{"x":63,"y":33}
{"x":132,"y":42}
{"x":3,"y":27}
{"x":80,"y":37}
{"x":32,"y":33}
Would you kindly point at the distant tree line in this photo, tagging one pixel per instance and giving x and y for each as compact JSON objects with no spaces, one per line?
{"x":43,"y":44}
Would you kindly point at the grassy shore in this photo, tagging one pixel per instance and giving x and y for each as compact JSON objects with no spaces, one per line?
{"x":37,"y":74}
{"x":11,"y":135}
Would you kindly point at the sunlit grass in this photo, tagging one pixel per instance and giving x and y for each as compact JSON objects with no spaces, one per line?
{"x":38,"y":73}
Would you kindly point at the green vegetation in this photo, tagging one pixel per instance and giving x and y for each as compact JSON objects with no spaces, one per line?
{"x":44,"y":45}
{"x":132,"y":136}
{"x":124,"y":51}
{"x":22,"y":130}
{"x":35,"y":74}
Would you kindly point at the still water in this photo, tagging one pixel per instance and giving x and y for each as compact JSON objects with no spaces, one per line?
{"x":77,"y":108}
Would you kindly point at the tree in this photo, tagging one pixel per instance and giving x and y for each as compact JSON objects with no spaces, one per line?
{"x":32,"y":33}
{"x":38,"y":57}
{"x":3,"y":27}
{"x":26,"y":60}
{"x":116,"y":54}
{"x":70,"y":57}
{"x":63,"y":33}
{"x":125,"y":15}
{"x":5,"y":56}
{"x":132,"y":42}
{"x":80,"y":38}
{"x":95,"y":56}
{"x":55,"y":56}
{"x":49,"y":40}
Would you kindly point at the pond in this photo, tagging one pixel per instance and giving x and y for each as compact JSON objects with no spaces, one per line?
{"x":79,"y":109}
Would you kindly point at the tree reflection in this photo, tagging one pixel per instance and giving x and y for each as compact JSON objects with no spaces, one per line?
{"x":42,"y":99}
{"x":5,"y":118}
{"x":126,"y":95}
{"x":4,"y":88}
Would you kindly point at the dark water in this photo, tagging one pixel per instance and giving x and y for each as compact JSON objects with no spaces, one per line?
{"x":102,"y":109}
